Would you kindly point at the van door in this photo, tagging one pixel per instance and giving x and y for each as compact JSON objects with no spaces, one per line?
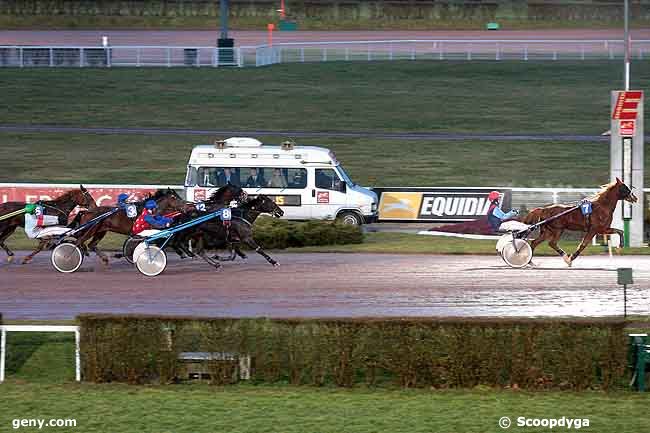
{"x":328,"y":193}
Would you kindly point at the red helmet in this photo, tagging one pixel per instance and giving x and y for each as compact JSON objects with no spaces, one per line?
{"x":494,"y":195}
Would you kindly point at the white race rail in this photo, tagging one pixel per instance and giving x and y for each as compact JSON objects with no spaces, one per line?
{"x":4,"y":329}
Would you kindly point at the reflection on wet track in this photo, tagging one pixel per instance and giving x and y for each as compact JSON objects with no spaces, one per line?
{"x":334,"y":285}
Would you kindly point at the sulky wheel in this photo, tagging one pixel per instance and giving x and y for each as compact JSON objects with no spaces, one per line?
{"x":517,"y":254}
{"x":129,"y":246}
{"x":152,"y":261}
{"x":67,"y":257}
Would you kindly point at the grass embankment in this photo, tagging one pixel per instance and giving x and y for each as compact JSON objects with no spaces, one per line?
{"x":474,"y":97}
{"x":422,"y":96}
{"x":385,"y":243}
{"x":40,"y":385}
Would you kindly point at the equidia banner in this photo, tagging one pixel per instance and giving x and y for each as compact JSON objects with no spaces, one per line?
{"x":437,"y":204}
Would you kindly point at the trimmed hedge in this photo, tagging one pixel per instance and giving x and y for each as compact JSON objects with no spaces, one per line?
{"x":438,"y":353}
{"x":274,"y":233}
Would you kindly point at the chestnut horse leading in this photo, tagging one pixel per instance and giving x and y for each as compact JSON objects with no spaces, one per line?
{"x":603,"y":205}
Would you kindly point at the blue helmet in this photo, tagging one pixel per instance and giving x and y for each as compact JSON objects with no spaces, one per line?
{"x":150,"y":204}
{"x":122,"y":197}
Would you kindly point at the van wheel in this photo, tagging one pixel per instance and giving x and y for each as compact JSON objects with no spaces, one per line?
{"x":349,"y":218}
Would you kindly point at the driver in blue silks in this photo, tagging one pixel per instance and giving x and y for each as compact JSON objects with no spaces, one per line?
{"x":495,"y":215}
{"x":121,"y":200}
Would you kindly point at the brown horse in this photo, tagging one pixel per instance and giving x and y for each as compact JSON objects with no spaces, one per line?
{"x":603,"y":205}
{"x":166,"y":201}
{"x":61,"y":206}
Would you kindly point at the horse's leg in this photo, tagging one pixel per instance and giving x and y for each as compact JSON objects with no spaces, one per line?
{"x":620,"y":233}
{"x":42,"y":243}
{"x":92,"y":246}
{"x":543,"y":235}
{"x":583,"y":244}
{"x":248,"y":240}
{"x":3,"y":237}
{"x":239,"y":252}
{"x":552,"y":242}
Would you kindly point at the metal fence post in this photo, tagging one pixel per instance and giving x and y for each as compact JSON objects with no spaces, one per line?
{"x":109,"y":60}
{"x":469,"y":52}
{"x":369,"y":56}
{"x":554,"y":54}
{"x":21,"y":58}
{"x":302,"y":54}
{"x":498,"y":52}
{"x":81,"y":57}
{"x":169,"y":57}
{"x":324,"y":54}
{"x":412,"y":53}
{"x":526,"y":52}
{"x":137,"y":56}
{"x":390,"y":55}
{"x":347,"y":53}
{"x":240,"y":62}
{"x":441,"y":56}
{"x":77,"y":355}
{"x":51,"y":57}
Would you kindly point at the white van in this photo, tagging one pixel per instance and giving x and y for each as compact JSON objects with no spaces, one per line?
{"x":307,"y":182}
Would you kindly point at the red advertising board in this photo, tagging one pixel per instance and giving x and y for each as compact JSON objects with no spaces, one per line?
{"x":104,"y":195}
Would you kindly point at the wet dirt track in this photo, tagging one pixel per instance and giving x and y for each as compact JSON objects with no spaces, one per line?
{"x":311,"y":285}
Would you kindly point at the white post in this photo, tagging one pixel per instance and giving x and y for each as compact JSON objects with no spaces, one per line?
{"x":627,"y":47}
{"x":302,"y":54}
{"x":3,"y":347}
{"x":169,"y":57}
{"x":77,"y":356}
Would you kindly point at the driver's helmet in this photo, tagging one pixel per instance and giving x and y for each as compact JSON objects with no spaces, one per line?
{"x":494,"y":196}
{"x":122,"y":197}
{"x":150,"y":204}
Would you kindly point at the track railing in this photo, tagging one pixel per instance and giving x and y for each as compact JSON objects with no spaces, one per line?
{"x":304,"y":52}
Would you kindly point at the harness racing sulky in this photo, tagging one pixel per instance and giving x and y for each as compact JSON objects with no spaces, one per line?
{"x":595,"y":217}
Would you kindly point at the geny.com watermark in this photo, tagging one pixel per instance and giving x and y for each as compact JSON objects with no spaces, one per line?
{"x":40,"y":423}
{"x":549,"y":423}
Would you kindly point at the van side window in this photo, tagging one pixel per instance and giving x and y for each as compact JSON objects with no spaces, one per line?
{"x":326,"y":178}
{"x":282,"y":178}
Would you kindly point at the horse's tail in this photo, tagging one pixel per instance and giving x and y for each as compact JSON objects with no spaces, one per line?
{"x":534,"y":216}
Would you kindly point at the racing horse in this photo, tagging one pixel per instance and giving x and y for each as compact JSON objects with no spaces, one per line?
{"x":602,"y":211}
{"x":62,"y":206}
{"x":120,"y":223}
{"x":167,"y":201}
{"x":215,"y":234}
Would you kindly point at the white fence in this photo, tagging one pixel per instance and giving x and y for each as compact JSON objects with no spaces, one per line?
{"x":462,"y":49}
{"x":303,"y":52}
{"x":38,"y":328}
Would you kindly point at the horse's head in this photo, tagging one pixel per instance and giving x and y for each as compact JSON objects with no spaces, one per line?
{"x":228,"y":193}
{"x":169,"y":200}
{"x":265,"y":204}
{"x":624,"y":192}
{"x":77,"y":197}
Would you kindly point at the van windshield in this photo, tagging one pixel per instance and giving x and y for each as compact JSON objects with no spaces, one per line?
{"x":251,"y":177}
{"x":345,"y":176}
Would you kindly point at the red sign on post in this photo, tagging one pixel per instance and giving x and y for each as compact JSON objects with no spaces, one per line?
{"x":626,"y":105}
{"x":626,"y":127}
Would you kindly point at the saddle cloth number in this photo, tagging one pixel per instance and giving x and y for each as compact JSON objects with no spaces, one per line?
{"x":131,"y":211}
{"x":200,"y":207}
{"x":226,"y":215}
{"x":585,"y":208}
